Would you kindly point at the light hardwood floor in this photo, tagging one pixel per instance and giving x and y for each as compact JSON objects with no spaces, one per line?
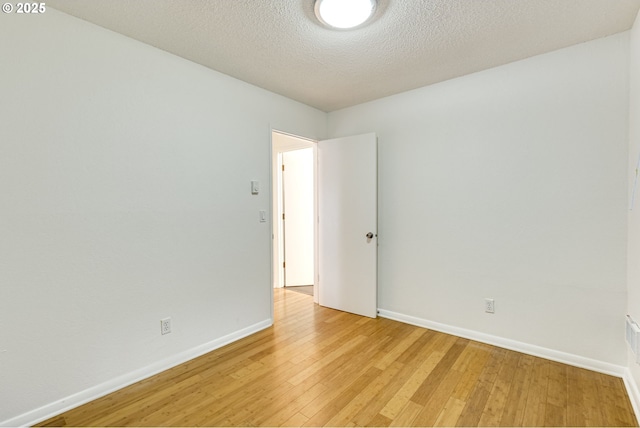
{"x":317,"y":367}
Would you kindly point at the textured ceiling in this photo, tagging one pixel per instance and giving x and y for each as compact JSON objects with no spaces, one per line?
{"x":280,"y":46}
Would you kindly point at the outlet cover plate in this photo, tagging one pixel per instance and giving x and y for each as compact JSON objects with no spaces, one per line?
{"x":489,"y":306}
{"x":165,"y":326}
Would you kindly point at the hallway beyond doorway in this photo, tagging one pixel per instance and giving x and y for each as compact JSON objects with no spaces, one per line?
{"x":304,"y":289}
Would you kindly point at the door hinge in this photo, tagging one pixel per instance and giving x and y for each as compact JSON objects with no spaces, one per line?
{"x":283,"y":167}
{"x":284,"y":265}
{"x":283,"y":216}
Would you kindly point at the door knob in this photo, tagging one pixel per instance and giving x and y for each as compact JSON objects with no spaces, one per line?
{"x":369,"y":235}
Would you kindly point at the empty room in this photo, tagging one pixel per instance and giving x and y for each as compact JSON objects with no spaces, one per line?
{"x":475,"y":222}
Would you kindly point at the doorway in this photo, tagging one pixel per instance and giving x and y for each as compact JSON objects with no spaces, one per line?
{"x":294,"y":210}
{"x":345,"y":237}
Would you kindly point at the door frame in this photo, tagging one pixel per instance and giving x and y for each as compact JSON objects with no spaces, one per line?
{"x":293,"y":142}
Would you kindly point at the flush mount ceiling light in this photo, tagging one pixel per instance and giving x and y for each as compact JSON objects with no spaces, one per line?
{"x":344,"y":14}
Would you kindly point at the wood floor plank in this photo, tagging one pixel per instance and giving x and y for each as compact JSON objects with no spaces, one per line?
{"x":380,"y":421}
{"x":372,"y":410}
{"x":296,"y":420}
{"x":593,"y":397}
{"x":302,"y":395}
{"x":392,"y":409}
{"x":496,"y":403}
{"x":556,"y":408}
{"x":393,"y":354}
{"x":407,"y":415}
{"x":227,"y":394}
{"x":328,"y":359}
{"x":428,"y":387}
{"x":333,"y":407}
{"x":535,"y":408}
{"x":476,"y":357}
{"x":625,"y":414}
{"x":450,"y":413}
{"x":613,"y":402}
{"x":479,"y":396}
{"x":438,"y":402}
{"x":347,"y":413}
{"x":513,"y":413}
{"x":414,"y":354}
{"x":125,"y":415}
{"x":317,"y":366}
{"x":334,"y":390}
{"x":576,"y":410}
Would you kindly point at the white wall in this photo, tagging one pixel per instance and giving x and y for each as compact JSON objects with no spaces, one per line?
{"x":124,"y":198}
{"x":509,"y":184}
{"x":633,"y":254}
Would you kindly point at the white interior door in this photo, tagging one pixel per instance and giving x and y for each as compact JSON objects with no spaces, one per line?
{"x":348,"y":220}
{"x":298,"y":198}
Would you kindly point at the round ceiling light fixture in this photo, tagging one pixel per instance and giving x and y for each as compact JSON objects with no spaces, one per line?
{"x":344,"y":14}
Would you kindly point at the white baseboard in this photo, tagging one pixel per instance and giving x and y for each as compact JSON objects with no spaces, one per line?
{"x":50,"y":410}
{"x":525,"y":348}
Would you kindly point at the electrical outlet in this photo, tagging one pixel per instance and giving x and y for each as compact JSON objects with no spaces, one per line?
{"x":489,"y":306}
{"x":165,"y":326}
